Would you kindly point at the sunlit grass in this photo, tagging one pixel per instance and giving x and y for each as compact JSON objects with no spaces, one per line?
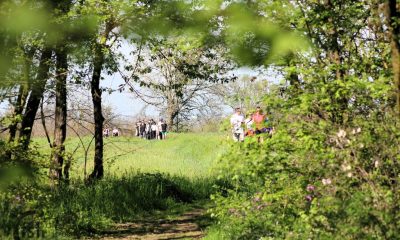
{"x":187,"y":154}
{"x":143,"y":180}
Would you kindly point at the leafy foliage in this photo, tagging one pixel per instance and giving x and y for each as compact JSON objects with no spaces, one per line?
{"x":313,"y":179}
{"x":330,"y":171}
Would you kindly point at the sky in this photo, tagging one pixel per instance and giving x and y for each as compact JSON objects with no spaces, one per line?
{"x":125,"y":105}
{"x":122,"y":103}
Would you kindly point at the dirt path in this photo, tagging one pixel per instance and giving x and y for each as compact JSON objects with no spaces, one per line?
{"x":187,"y":226}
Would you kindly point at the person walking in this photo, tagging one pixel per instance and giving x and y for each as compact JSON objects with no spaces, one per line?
{"x":106,"y":132}
{"x":162,"y":128}
{"x":137,"y":129}
{"x":148,"y":130}
{"x":237,"y":121}
{"x":153,"y":129}
{"x":259,"y":121}
{"x":143,"y":129}
{"x":115,"y":132}
{"x":248,"y":122}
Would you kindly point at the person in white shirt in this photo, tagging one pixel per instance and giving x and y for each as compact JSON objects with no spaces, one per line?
{"x":106,"y":132}
{"x":154,"y":128}
{"x":248,"y":122}
{"x":115,"y":132}
{"x":137,"y":129}
{"x":237,"y":121}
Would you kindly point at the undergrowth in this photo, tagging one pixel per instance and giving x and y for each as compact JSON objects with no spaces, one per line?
{"x":78,"y":209}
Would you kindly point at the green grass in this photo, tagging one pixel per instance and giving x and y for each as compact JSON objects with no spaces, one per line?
{"x":143,"y":180}
{"x":187,"y":154}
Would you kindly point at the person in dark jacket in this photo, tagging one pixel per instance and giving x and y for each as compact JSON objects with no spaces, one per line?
{"x":162,"y":129}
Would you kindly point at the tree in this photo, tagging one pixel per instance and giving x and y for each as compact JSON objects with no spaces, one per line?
{"x":37,"y":90}
{"x":60,"y":121}
{"x":179,"y":80}
{"x":22,"y":92}
{"x":393,"y":18}
{"x":246,"y":92}
{"x":99,"y":46}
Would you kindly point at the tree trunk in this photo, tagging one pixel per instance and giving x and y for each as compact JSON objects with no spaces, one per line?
{"x":171,"y":116}
{"x":37,"y":90}
{"x":335,"y":55}
{"x":98,"y":170}
{"x":18,"y":109}
{"x":22,"y":95}
{"x":393,"y":16}
{"x":60,"y":118}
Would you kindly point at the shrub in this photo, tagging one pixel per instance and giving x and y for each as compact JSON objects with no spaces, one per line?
{"x":314,"y":180}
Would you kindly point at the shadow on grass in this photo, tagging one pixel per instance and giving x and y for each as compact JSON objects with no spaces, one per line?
{"x":156,"y":203}
{"x":138,"y":203}
{"x":189,"y":224}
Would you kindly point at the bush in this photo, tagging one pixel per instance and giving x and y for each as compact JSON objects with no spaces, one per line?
{"x":314,"y":180}
{"x":21,"y":197}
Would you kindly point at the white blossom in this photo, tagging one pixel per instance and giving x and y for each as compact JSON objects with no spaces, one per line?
{"x":326,"y":181}
{"x":342,"y":133}
{"x":349,"y":174}
{"x":346,"y":167}
{"x":376,"y":163}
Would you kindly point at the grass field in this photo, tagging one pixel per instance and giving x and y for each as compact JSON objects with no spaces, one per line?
{"x":187,"y":154}
{"x":145,"y":180}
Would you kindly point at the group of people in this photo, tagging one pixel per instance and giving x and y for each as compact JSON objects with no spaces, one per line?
{"x":151,"y":129}
{"x":254,"y":124}
{"x":107,"y":131}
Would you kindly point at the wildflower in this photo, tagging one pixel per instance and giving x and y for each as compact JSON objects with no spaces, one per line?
{"x":310,"y":188}
{"x":326,"y":181}
{"x":376,"y":163}
{"x":17,"y":199}
{"x":349,"y":174}
{"x":346,"y":167}
{"x":260,"y":207}
{"x":232,"y":210}
{"x":342,"y":133}
{"x":309,"y":198}
{"x":357,"y":130}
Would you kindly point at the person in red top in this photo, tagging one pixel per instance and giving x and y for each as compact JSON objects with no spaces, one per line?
{"x":258,"y":119}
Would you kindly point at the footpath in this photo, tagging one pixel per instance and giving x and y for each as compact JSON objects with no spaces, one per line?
{"x":189,"y":225}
